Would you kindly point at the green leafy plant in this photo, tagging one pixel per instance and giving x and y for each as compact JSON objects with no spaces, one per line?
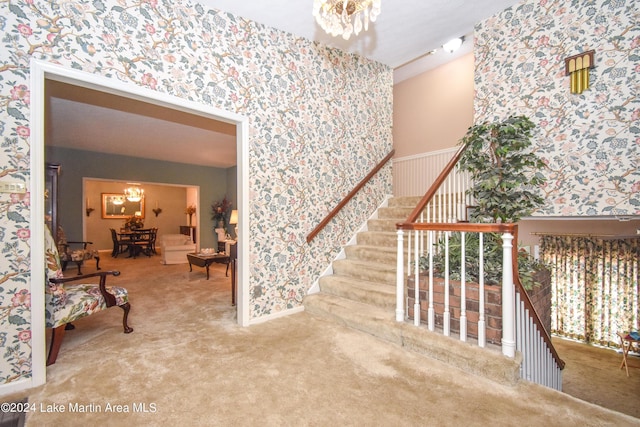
{"x":505,"y":172}
{"x":506,"y":182}
{"x":492,"y":245}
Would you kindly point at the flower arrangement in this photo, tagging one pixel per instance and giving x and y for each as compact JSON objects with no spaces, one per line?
{"x":220,"y":211}
{"x":133,"y":222}
{"x":190,"y":210}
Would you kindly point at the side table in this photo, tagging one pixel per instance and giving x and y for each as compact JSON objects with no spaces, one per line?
{"x":627,"y":342}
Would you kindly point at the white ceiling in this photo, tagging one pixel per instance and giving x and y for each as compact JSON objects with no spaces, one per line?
{"x":403,"y":37}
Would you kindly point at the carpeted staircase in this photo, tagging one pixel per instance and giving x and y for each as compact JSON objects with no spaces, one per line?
{"x":361,"y":294}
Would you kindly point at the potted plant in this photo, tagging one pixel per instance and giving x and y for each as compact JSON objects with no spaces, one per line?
{"x":219,"y":212}
{"x":506,"y":180}
{"x":505,"y":172}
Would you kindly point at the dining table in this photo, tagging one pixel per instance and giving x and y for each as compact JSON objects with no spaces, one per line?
{"x":139,"y":240}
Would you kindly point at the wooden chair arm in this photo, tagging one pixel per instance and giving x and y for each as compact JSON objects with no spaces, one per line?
{"x":109,"y":298}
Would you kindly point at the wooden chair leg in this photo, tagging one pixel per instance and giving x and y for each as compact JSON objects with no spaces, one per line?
{"x":97,"y":262}
{"x":79,"y":263}
{"x":126,"y":307}
{"x":57,"y":335}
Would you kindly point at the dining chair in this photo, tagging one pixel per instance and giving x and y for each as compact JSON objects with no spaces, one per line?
{"x":120,"y":245}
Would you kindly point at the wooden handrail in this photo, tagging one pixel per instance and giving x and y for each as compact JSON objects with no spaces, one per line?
{"x":436,"y":184}
{"x":348,"y":197}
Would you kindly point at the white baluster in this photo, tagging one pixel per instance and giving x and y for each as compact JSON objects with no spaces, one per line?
{"x":416,"y":281}
{"x":463,"y":292}
{"x":446,"y":327}
{"x":508,"y":290}
{"x":400,"y":279}
{"x":431,"y":312}
{"x":482,"y":331}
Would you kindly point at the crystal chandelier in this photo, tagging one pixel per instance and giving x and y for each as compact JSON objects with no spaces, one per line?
{"x":133,"y":194}
{"x":117,"y":200}
{"x":345,"y":17}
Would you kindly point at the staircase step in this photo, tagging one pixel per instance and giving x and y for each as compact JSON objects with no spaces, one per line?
{"x":379,"y":254}
{"x":386,"y":224}
{"x":484,"y":362}
{"x":400,"y":213}
{"x":387,"y":239}
{"x":363,"y":270}
{"x":376,"y":294}
{"x":404,"y":201}
{"x":363,"y":317}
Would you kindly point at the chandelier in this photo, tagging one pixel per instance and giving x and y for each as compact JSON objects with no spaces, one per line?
{"x":117,"y":200}
{"x":345,"y":17}
{"x":133,"y":194}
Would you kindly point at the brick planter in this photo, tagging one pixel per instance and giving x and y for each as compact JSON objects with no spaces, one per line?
{"x":540,"y":297}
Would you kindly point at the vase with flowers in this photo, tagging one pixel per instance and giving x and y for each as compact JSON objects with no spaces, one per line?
{"x":190,"y":210}
{"x":133,"y":223}
{"x":220,"y":212}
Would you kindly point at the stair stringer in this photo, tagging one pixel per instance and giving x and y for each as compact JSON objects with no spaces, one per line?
{"x":315,"y":288}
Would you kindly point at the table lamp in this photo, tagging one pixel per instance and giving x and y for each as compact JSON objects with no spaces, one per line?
{"x":234,"y":221}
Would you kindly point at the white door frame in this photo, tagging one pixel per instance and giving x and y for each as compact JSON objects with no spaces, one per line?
{"x":41,"y":70}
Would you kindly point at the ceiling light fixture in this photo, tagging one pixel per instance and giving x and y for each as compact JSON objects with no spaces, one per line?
{"x":133,"y":194}
{"x":345,"y":17}
{"x":117,"y":200}
{"x":453,"y":45}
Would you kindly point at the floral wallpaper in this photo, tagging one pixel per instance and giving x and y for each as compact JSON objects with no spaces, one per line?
{"x":320,"y":119}
{"x":591,"y":141}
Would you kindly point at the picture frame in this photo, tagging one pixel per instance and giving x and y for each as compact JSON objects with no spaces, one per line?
{"x":116,"y":206}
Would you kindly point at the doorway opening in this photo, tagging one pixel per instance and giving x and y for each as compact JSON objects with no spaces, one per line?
{"x":42,"y":71}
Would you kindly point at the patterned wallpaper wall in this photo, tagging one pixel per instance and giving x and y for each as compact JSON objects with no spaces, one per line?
{"x":591,"y":142}
{"x":320,"y":119}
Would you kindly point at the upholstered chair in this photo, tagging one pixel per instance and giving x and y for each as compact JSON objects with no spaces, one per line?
{"x":66,"y":303}
{"x":77,"y":252}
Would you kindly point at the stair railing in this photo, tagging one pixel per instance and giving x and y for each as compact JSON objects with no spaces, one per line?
{"x":349,"y":196}
{"x":521,"y":329}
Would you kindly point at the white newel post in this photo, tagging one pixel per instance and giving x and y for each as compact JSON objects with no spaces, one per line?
{"x":400,"y":279}
{"x":508,"y":298}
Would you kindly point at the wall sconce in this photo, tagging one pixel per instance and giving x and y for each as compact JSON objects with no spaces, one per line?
{"x":88,"y":208}
{"x":157,"y":211}
{"x":577,"y":66}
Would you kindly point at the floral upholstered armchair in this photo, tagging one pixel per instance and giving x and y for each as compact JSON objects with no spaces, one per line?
{"x":66,"y":303}
{"x":77,"y":252}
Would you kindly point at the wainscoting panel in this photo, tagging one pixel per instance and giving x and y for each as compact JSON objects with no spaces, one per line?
{"x":413,"y":175}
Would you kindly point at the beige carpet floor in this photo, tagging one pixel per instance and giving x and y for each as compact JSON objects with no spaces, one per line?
{"x":188,"y":363}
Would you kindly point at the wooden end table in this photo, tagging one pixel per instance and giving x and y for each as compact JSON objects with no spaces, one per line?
{"x":205,"y":260}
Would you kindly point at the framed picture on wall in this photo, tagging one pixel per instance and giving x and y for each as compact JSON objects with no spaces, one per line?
{"x":116,"y":206}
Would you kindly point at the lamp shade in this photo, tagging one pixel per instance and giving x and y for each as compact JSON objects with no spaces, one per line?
{"x":234,"y":217}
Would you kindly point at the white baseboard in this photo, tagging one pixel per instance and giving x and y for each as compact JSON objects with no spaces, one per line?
{"x":15,"y":387}
{"x":276,"y":315}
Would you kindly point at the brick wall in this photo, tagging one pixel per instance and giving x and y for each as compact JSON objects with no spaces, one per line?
{"x":540,"y":296}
